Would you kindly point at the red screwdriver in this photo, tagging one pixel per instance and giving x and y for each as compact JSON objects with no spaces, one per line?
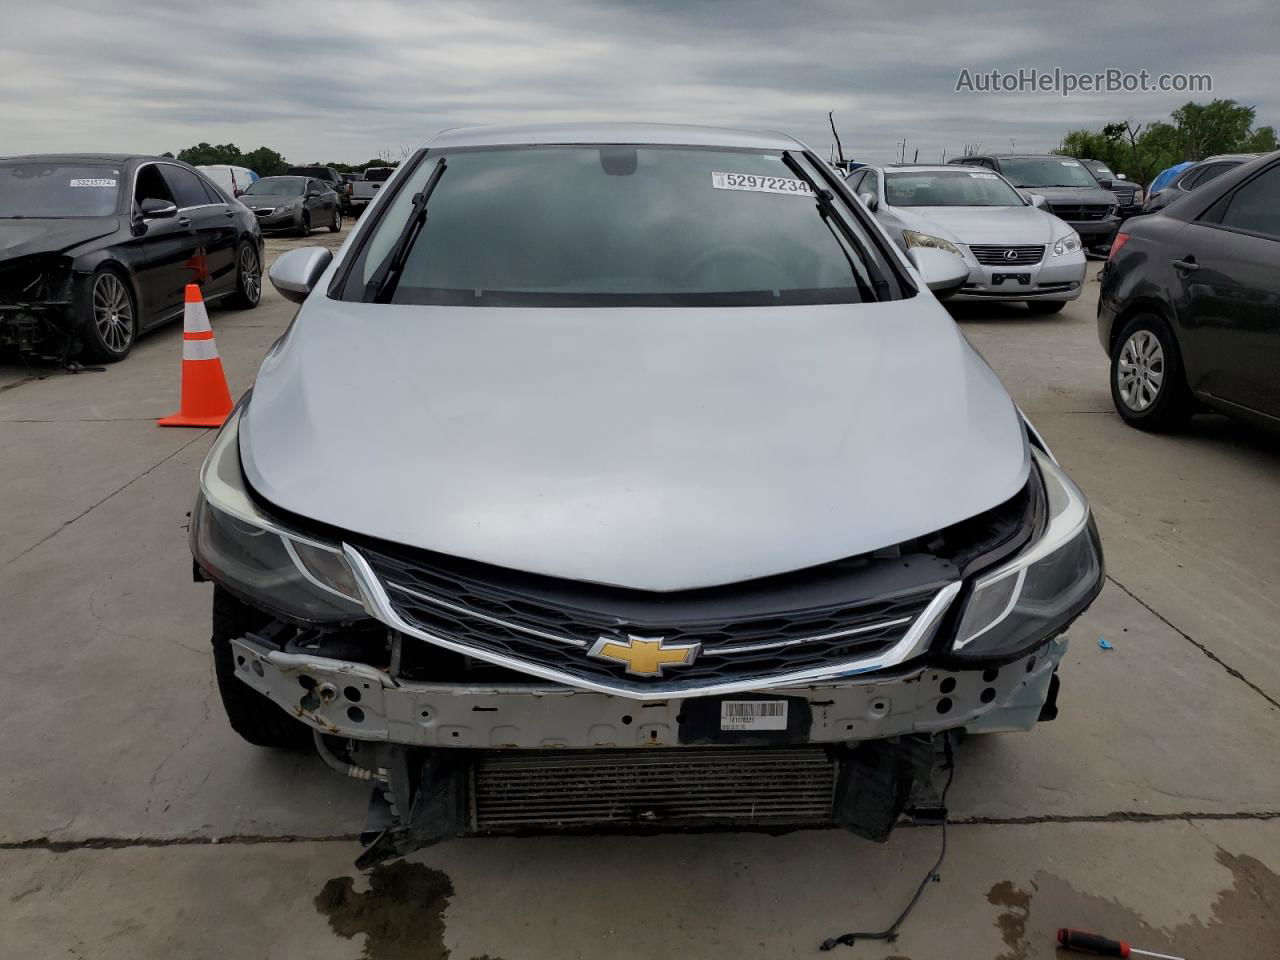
{"x":1082,"y":942}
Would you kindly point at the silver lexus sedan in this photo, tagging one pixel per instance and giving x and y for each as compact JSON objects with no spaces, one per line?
{"x":1014,"y":249}
{"x":622,"y":476}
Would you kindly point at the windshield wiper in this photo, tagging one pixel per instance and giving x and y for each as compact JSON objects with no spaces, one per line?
{"x":827,"y":210}
{"x":382,"y":285}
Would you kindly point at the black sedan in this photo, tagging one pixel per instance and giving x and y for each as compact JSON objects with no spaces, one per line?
{"x":97,"y":249}
{"x":296,"y":204}
{"x":1189,"y":310}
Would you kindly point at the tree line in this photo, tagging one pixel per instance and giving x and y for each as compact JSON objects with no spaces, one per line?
{"x":1194,"y":131}
{"x":263,"y":161}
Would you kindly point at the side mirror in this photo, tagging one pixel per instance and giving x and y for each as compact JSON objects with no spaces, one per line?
{"x":1122,"y":176}
{"x":156,"y":209}
{"x":1105,"y":184}
{"x":943,"y":273}
{"x":1038,"y":201}
{"x":869,"y":199}
{"x":295,"y":274}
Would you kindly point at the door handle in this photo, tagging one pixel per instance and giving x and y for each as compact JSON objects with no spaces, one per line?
{"x":228,"y":213}
{"x":184,"y":221}
{"x":1186,"y":265}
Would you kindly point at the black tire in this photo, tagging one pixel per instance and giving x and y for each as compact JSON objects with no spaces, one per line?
{"x":107,"y":295}
{"x":304,"y":225}
{"x":248,"y":277}
{"x":1045,"y":307}
{"x":1169,"y":404}
{"x":337,"y":222}
{"x":253,"y":716}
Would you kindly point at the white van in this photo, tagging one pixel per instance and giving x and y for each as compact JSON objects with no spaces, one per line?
{"x":234,"y":180}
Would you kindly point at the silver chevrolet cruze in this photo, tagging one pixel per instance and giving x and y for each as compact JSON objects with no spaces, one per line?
{"x":631,"y":476}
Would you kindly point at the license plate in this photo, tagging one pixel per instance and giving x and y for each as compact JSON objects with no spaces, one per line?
{"x":753,"y":715}
{"x":999,"y":278}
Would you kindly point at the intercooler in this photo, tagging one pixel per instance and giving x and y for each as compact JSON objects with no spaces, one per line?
{"x":599,"y":789}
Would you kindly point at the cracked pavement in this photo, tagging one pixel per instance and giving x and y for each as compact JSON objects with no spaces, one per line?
{"x":134,"y":823}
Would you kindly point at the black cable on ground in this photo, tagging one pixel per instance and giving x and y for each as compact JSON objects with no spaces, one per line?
{"x":890,"y":934}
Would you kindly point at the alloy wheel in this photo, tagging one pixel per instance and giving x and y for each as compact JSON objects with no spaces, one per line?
{"x":113,"y":312}
{"x":250,"y":275}
{"x":1140,"y":370}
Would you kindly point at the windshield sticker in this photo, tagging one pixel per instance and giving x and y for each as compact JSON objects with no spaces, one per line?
{"x":1069,"y":163}
{"x":759,"y":184}
{"x":983,"y":176}
{"x":93,"y":183}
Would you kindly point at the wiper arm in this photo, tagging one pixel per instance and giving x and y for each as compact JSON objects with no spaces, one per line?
{"x":382,"y":285}
{"x":827,"y":210}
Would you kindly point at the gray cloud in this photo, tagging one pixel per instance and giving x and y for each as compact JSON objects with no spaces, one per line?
{"x":330,"y":80}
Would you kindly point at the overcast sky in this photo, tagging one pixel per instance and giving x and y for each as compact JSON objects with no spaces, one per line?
{"x":325,"y":80}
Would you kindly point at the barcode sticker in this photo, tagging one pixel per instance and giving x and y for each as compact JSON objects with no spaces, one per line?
{"x":753,"y":714}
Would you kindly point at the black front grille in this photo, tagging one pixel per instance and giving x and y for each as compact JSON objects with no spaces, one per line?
{"x":745,"y":632}
{"x":994,"y":255}
{"x":1079,"y":212}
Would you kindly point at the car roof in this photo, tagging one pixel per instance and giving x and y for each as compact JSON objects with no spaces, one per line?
{"x":676,"y":134}
{"x":88,"y":157}
{"x":1228,"y":156}
{"x":919,"y":167}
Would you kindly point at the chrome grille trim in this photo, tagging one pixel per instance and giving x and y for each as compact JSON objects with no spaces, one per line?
{"x":379,"y":606}
{"x":470,"y":612}
{"x":775,"y":644}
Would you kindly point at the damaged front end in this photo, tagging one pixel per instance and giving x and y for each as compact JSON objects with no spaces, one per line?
{"x":37,"y":317}
{"x":471,"y":698}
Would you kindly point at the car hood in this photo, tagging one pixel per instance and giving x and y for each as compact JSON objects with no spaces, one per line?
{"x":1069,"y":194}
{"x":1004,"y":225}
{"x":21,"y":238}
{"x":268,"y":199}
{"x":657,"y":449}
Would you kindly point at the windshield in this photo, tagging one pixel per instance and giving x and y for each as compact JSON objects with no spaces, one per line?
{"x":950,"y":188}
{"x":1046,"y":172}
{"x":614,"y":226}
{"x":43,"y":189}
{"x":278,"y":186}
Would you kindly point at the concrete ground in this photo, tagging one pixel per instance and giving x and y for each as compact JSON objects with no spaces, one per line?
{"x":133,"y":823}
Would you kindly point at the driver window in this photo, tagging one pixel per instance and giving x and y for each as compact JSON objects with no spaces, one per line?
{"x":151,"y":186}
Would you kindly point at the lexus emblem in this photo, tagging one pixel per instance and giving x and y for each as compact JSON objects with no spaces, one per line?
{"x":1011,"y":254}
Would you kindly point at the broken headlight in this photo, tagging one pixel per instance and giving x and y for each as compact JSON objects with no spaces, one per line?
{"x":1032,"y":597}
{"x":238,"y":545}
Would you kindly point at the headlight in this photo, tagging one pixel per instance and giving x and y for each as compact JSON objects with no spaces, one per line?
{"x":915,"y":239}
{"x":294,"y":575}
{"x":1030,"y":598}
{"x":1068,"y":244}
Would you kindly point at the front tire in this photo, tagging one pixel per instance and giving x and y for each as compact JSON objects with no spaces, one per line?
{"x":253,"y":716}
{"x":304,"y":224}
{"x":337,"y":222}
{"x":248,"y":277}
{"x":108,"y":317}
{"x":1045,"y":307}
{"x":1148,"y":385}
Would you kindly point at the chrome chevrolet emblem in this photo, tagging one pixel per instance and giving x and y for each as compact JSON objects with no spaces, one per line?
{"x":644,"y":656}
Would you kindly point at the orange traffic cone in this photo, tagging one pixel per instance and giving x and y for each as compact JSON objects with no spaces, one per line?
{"x":206,"y":401}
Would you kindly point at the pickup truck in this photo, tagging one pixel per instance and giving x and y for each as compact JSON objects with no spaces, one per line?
{"x":364,"y":190}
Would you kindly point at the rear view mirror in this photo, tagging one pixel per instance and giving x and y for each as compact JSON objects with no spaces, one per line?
{"x":155,"y":209}
{"x":295,"y":274}
{"x":943,"y":273}
{"x":1037,"y":201}
{"x":869,"y":199}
